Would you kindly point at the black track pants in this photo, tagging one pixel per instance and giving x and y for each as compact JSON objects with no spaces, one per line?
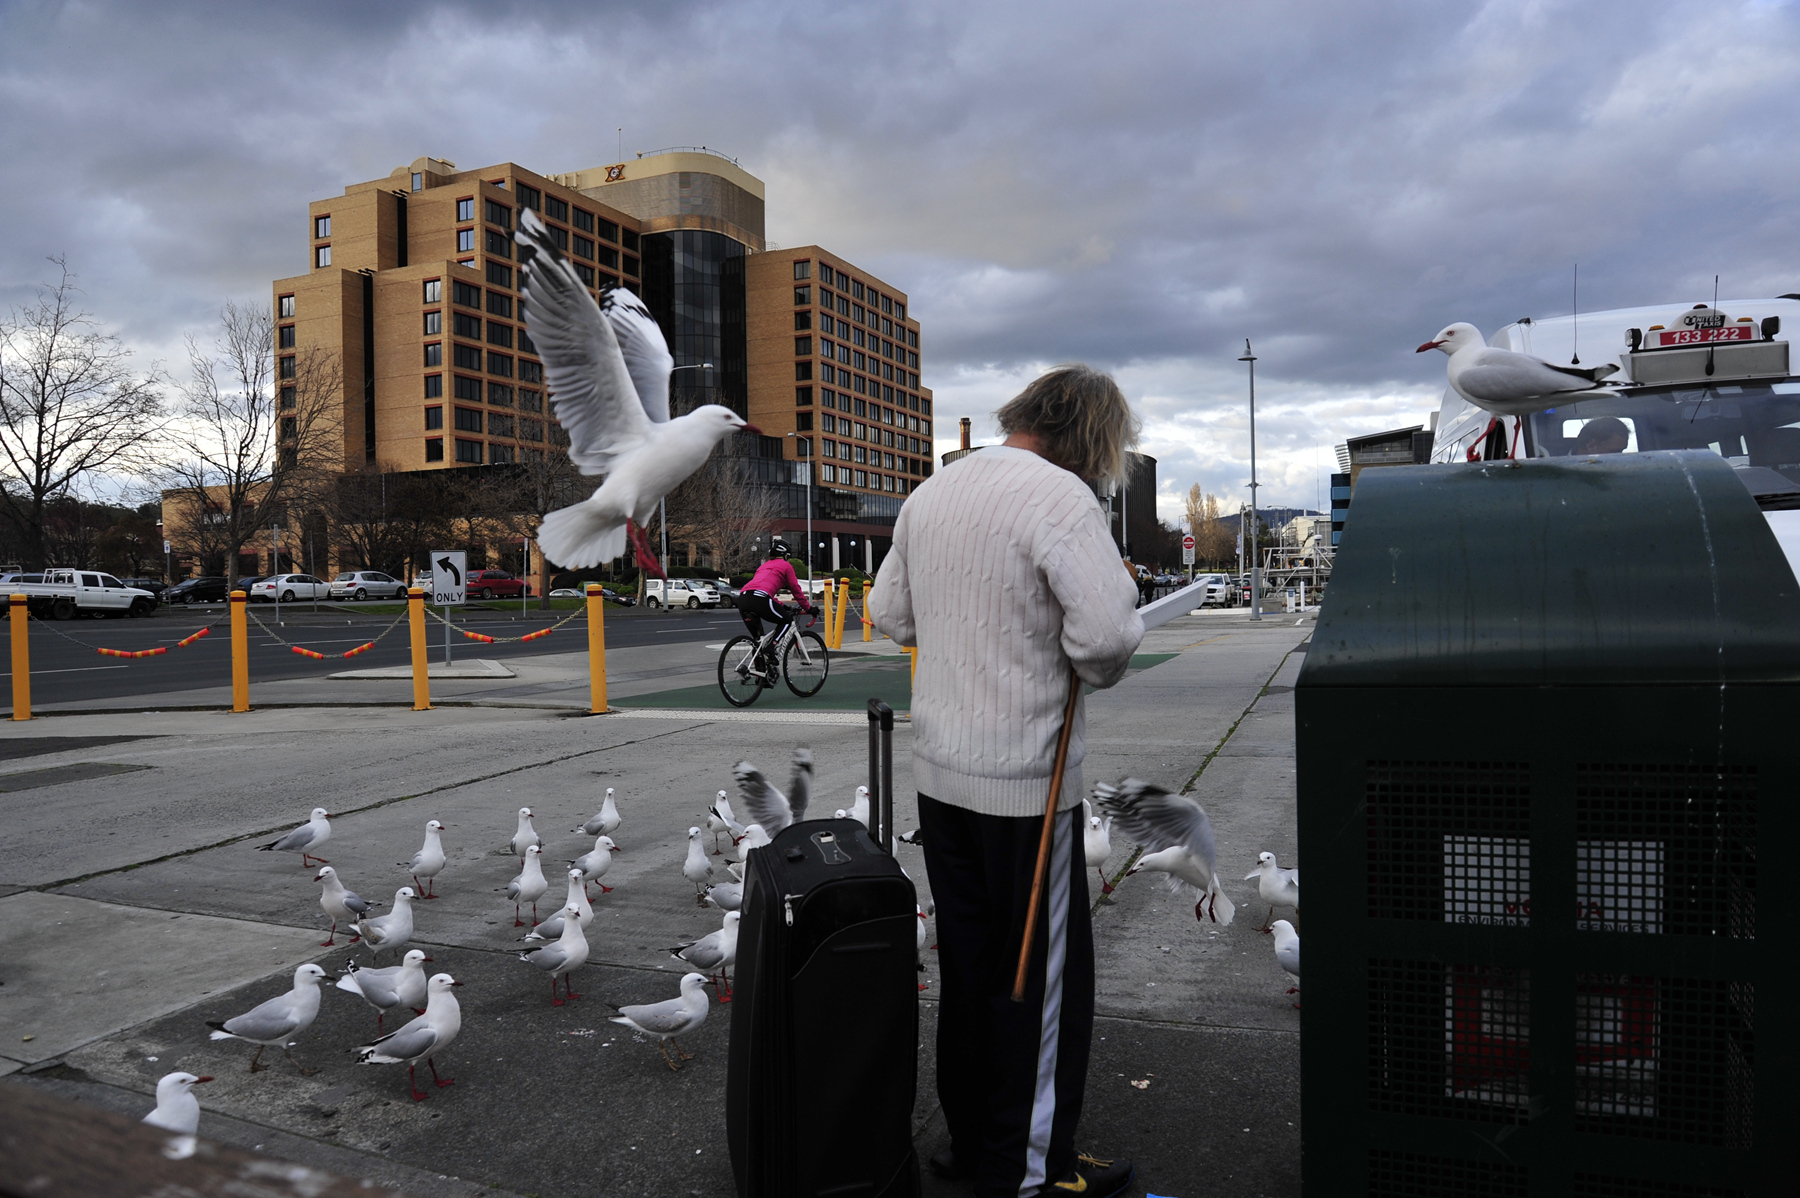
{"x":1010,"y":1075}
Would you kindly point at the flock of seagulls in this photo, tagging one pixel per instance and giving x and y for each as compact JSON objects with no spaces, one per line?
{"x":1172,"y":831}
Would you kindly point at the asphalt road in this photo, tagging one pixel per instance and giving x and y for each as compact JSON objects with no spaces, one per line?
{"x":65,"y":668}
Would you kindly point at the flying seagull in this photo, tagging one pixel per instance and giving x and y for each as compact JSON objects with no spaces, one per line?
{"x":609,"y":367}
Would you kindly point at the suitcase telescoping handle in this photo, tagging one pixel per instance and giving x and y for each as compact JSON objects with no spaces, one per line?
{"x":881,"y":773}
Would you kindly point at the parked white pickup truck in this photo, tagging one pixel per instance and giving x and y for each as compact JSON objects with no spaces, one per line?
{"x":65,"y":594}
{"x":680,"y":592}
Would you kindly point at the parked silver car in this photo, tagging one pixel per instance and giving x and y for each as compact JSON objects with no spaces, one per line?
{"x":367,"y":584}
{"x":289,"y":588}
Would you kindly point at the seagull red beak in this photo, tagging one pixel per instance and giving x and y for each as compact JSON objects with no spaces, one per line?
{"x":751,"y":428}
{"x":1427,"y":345}
{"x":198,"y":1080}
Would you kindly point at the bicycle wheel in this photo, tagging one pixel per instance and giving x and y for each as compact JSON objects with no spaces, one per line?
{"x":805,"y":664}
{"x":736,"y":681}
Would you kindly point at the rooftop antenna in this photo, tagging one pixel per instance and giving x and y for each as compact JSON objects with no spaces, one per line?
{"x":1575,"y":315}
{"x":621,"y":157}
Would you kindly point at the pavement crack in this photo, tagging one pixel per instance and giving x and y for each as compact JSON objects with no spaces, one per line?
{"x":285,"y":827}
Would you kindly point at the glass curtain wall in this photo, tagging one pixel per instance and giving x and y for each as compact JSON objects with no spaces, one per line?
{"x":694,"y":286}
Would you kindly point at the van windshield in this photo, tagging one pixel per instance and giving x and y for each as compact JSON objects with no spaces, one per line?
{"x":1747,"y":423}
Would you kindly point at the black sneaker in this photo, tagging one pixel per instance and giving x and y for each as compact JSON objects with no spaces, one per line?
{"x":944,"y":1163}
{"x":1093,"y":1177}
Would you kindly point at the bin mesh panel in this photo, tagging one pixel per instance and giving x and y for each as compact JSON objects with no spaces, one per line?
{"x":1412,"y":1175}
{"x":1594,"y":1185}
{"x":1666,"y":849}
{"x":1449,"y":840}
{"x":1451,"y":1041}
{"x":1665,"y":1058}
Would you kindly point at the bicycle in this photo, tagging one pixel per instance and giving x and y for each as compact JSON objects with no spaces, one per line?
{"x":748,"y":666}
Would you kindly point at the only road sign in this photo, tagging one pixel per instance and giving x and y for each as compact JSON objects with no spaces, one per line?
{"x":449,"y":577}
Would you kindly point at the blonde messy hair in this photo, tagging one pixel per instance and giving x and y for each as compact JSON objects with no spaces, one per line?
{"x":1082,"y":419}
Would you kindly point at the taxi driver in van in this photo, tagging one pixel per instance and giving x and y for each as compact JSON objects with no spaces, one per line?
{"x":1604,"y":435}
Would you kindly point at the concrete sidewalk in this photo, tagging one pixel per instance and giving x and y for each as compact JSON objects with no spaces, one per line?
{"x":159,"y":866}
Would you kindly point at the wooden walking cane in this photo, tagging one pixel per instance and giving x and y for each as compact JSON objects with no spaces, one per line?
{"x":1043,"y":856}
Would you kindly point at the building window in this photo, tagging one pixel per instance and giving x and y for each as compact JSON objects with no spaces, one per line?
{"x":499,"y":425}
{"x":887,"y":461}
{"x":584,"y":220}
{"x":586,"y":274}
{"x":530,"y":372}
{"x":499,"y":305}
{"x":322,"y":256}
{"x":803,"y":320}
{"x":861,"y":363}
{"x":631,"y":265}
{"x":555,"y":209}
{"x":900,"y":313}
{"x":434,"y":386}
{"x":525,"y":345}
{"x":497,"y":214}
{"x":802,"y":345}
{"x":500,"y":394}
{"x":465,"y":240}
{"x":530,"y":400}
{"x":434,"y":449}
{"x":887,"y":305}
{"x":827,"y":399}
{"x":500,"y":334}
{"x":434,"y":291}
{"x":630,"y":241}
{"x":528,"y":196}
{"x":609,"y":258}
{"x":418,"y":181}
{"x":467,"y":357}
{"x":321,"y":226}
{"x":465,"y":208}
{"x":584,"y":248}
{"x":560,"y":236}
{"x":499,"y":274}
{"x":530,"y":430}
{"x":284,"y":337}
{"x":285,"y":306}
{"x":286,"y":367}
{"x":467,"y":388}
{"x":499,"y":244}
{"x":466,"y":325}
{"x":803,"y":370}
{"x":500,"y":364}
{"x":468,"y":420}
{"x":802,"y":270}
{"x":434,"y":418}
{"x":434,"y":323}
{"x":826,"y":373}
{"x":862,"y":409}
{"x":434,"y":354}
{"x":830,"y":446}
{"x":828,"y":473}
{"x":287,"y":397}
{"x":467,"y":294}
{"x":887,"y":349}
{"x":610,"y":232}
{"x":803,"y":422}
{"x":862,"y":455}
{"x":856,"y":315}
{"x":499,"y":455}
{"x":468,"y":262}
{"x":468,"y":451}
{"x":862,"y":478}
{"x":803,"y":397}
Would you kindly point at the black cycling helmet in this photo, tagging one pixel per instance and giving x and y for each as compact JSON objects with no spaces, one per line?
{"x":779,"y":548}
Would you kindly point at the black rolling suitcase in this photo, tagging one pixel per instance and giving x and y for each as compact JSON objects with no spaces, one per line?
{"x":825,"y":1022}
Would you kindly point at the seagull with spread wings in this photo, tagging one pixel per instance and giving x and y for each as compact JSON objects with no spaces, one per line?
{"x":1177,"y":837}
{"x":608,"y":369}
{"x":763,"y":802}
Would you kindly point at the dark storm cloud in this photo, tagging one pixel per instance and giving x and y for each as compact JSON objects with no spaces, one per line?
{"x":1138,"y":187}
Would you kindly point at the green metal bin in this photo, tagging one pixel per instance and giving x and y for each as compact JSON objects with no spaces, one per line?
{"x":1548,"y":723}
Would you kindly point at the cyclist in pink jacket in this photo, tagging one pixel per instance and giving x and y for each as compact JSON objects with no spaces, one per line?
{"x":756,"y":602}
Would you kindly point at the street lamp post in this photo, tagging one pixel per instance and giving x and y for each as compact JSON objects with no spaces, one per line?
{"x":1255,"y":563}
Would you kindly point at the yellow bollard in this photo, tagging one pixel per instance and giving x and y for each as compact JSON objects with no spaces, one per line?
{"x":415,"y":615}
{"x":826,"y":598}
{"x":837,"y":633}
{"x":868,"y":627}
{"x":596,"y":613}
{"x":20,"y":616}
{"x":913,"y":652}
{"x":240,"y":654}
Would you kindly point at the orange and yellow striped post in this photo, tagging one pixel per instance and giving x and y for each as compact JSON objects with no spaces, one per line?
{"x":596,"y":614}
{"x":20,"y":616}
{"x":868,"y":625}
{"x":240,"y":654}
{"x":421,"y":669}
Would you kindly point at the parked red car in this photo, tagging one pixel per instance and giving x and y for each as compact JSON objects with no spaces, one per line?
{"x":496,"y":584}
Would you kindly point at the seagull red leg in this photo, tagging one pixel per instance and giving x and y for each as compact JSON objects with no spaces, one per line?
{"x":554,"y":1001}
{"x":441,"y":1081}
{"x":517,"y":922}
{"x":418,"y":1095}
{"x":330,"y":937}
{"x":569,"y":991}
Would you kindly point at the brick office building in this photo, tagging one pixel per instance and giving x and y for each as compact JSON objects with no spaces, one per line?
{"x":414,"y":285}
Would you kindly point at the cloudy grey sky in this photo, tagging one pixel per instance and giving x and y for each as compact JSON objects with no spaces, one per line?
{"x":1138,"y":187}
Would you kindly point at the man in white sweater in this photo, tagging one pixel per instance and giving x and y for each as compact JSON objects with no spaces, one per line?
{"x":1004,"y":574}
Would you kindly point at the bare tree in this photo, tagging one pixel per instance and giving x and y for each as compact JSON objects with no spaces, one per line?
{"x":725,"y":508}
{"x":544,"y":481}
{"x":1215,"y":538}
{"x":71,"y":410}
{"x":246,"y":449}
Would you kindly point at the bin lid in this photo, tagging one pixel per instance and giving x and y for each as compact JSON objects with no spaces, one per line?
{"x":1616,"y":568}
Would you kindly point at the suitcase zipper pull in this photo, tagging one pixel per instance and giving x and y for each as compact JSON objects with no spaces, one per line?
{"x":787,"y":903}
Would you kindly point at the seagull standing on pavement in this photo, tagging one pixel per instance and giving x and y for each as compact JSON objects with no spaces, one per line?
{"x":670,"y":1018}
{"x":428,"y":861}
{"x":1179,"y":836}
{"x":339,"y":903}
{"x":304,"y":839}
{"x":277,"y":1020}
{"x":563,"y":957}
{"x":859,"y":807}
{"x":1096,"y":844}
{"x":605,"y":821}
{"x":1287,"y":952}
{"x":1278,"y":887}
{"x":726,"y":896}
{"x":421,"y":1039}
{"x":716,"y":953}
{"x":401,"y":985}
{"x":529,"y":886}
{"x":392,"y":930}
{"x":765,"y":804}
{"x":593,"y":866}
{"x":719,"y":818}
{"x":524,"y":837}
{"x":552,"y":928}
{"x":608,"y":367}
{"x":696,"y":869}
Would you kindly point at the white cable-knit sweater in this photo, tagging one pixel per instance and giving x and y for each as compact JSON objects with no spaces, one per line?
{"x":1003,"y":574}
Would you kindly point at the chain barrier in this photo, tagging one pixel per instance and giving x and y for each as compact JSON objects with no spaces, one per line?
{"x":159,"y":651}
{"x":314,"y":653}
{"x":508,"y":640}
